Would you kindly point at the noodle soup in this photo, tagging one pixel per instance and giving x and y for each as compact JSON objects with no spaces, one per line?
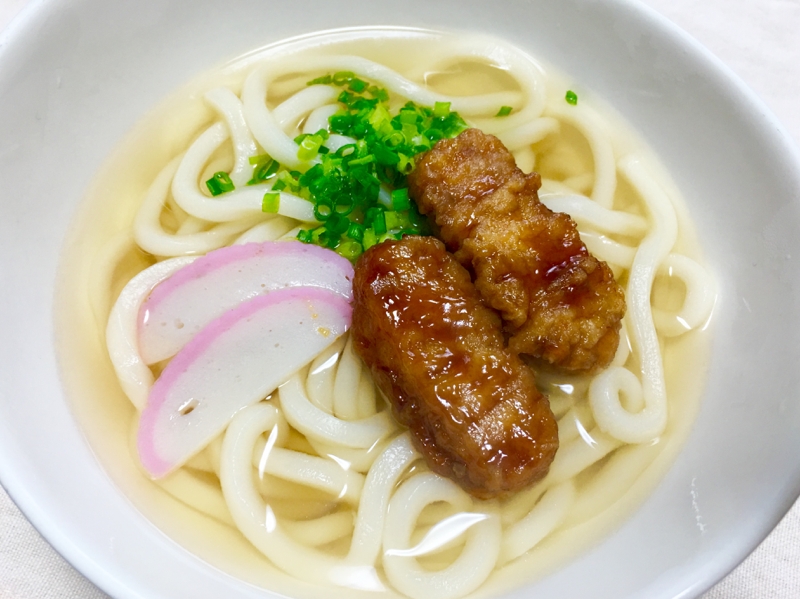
{"x":307,"y":515}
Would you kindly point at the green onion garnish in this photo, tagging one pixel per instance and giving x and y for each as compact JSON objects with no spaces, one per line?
{"x":400,"y":199}
{"x":349,"y":249}
{"x":441,"y":109}
{"x":504,"y":111}
{"x":343,"y":77}
{"x":271,"y":202}
{"x":571,"y":97}
{"x":220,"y":183}
{"x":359,"y":192}
{"x":265,"y":168}
{"x":357,"y":85}
{"x":378,"y":223}
{"x":370,"y":239}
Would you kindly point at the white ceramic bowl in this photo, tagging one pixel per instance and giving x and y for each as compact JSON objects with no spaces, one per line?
{"x":75,"y":76}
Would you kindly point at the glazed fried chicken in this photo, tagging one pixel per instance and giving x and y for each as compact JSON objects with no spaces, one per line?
{"x":557,"y":301}
{"x":438,"y":354}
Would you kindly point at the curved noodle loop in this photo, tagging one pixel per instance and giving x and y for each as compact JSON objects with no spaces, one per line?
{"x":476,"y":560}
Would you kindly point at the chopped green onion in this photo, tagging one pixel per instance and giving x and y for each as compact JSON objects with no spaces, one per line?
{"x":571,"y":97}
{"x":271,"y":202}
{"x":220,"y":183}
{"x":324,"y":80}
{"x":323,"y":209}
{"x":441,"y":109}
{"x":504,"y":111}
{"x":265,"y":168}
{"x":363,"y":160}
{"x":369,"y":239}
{"x":337,"y":224}
{"x":349,"y":249}
{"x":405,"y":165}
{"x":379,"y":223}
{"x":408,"y":116}
{"x":385,"y":156}
{"x":286,"y":181}
{"x":378,"y":93}
{"x":355,"y":231}
{"x":357,"y":85}
{"x":343,"y":77}
{"x":395,"y":220}
{"x":304,"y":235}
{"x":309,"y":145}
{"x":400,"y":199}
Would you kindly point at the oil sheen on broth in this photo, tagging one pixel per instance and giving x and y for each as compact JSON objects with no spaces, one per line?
{"x":582,"y":151}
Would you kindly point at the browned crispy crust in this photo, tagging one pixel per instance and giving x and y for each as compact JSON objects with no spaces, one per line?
{"x":557,"y":301}
{"x":438,"y":354}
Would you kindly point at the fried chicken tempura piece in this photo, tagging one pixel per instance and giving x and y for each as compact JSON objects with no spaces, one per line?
{"x":438,"y":354}
{"x":558,"y":302}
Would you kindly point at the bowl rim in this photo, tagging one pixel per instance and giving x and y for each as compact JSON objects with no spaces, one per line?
{"x":48,"y":525}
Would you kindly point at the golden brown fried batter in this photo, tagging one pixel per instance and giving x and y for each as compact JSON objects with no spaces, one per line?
{"x":439,"y":355}
{"x":558,"y":302}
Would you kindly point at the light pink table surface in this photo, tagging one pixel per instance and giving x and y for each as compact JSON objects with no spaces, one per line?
{"x":760,"y":41}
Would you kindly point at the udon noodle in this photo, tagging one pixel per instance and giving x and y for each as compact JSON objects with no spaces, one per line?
{"x":317,"y":476}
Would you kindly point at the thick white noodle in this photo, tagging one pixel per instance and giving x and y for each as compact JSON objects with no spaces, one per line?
{"x":588,"y":213}
{"x":308,"y":99}
{"x":608,"y":250}
{"x":151,"y":237}
{"x":233,"y":205}
{"x":346,"y":386}
{"x":357,"y":459}
{"x":545,"y":517}
{"x":381,"y":481}
{"x":317,"y":424}
{"x":262,"y":122}
{"x":605,"y":169}
{"x":322,"y":373}
{"x":229,"y":108}
{"x":698,"y":301}
{"x":528,"y":134}
{"x":322,"y":530}
{"x":318,"y":119}
{"x":577,"y":455}
{"x":367,"y":394}
{"x":336,"y":141}
{"x":258,"y":522}
{"x":604,"y":392}
{"x":269,"y":230}
{"x":122,"y":337}
{"x":252,"y":515}
{"x":473,"y":565}
{"x":311,"y":471}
